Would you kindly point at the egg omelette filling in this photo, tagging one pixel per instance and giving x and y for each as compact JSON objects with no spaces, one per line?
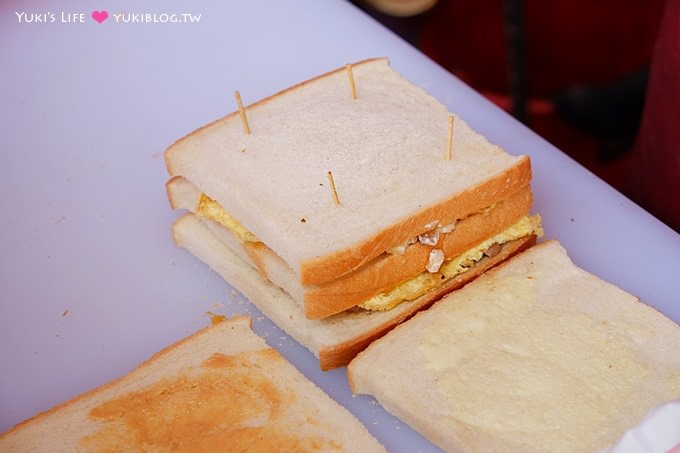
{"x":409,"y":289}
{"x":425,"y":281}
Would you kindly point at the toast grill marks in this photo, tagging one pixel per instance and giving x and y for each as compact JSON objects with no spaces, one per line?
{"x":220,"y":389}
{"x":315,"y":124}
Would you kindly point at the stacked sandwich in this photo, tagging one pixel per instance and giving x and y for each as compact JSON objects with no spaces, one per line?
{"x":347,"y":203}
{"x":341,"y":207}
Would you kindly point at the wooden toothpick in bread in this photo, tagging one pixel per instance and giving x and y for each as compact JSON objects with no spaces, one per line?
{"x":242,"y":113}
{"x":222,"y":389}
{"x":408,"y":225}
{"x":334,"y":192}
{"x":350,"y":79}
{"x":449,"y":138}
{"x":534,"y":355}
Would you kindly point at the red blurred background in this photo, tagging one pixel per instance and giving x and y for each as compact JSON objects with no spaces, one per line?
{"x":575,"y":71}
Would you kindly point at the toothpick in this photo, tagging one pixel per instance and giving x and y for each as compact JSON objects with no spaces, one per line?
{"x":350,"y":76}
{"x":449,"y":139}
{"x":242,"y":112}
{"x":336,"y":200}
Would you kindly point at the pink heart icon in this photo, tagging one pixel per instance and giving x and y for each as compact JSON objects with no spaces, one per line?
{"x":100,"y":16}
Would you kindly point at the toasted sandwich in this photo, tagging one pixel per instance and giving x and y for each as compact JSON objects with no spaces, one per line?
{"x":357,"y":194}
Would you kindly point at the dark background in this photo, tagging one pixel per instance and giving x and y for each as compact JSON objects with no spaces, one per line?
{"x":574,"y":71}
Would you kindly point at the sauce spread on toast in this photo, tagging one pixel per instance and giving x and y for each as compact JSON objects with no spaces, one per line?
{"x":509,"y":362}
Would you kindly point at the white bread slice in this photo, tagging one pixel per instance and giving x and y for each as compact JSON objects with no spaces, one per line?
{"x":386,"y":151}
{"x":335,"y":340}
{"x":535,"y":355}
{"x":221,"y":389}
{"x":380,"y":274}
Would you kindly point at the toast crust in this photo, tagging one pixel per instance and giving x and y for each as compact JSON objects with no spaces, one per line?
{"x":509,"y":185}
{"x":389,"y":270}
{"x":484,"y":368}
{"x":383,"y":272}
{"x":140,"y":370}
{"x":334,"y":340}
{"x":329,"y":267}
{"x":167,"y":155}
{"x":222,"y":387}
{"x":338,"y":355}
{"x":319,"y":266}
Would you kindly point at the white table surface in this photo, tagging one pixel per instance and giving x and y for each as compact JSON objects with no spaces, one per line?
{"x":91,"y":283}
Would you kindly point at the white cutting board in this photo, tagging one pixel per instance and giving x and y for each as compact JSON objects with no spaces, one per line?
{"x":90,"y":281}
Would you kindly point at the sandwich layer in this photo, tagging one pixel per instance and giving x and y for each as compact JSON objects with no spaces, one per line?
{"x":222,"y":389}
{"x":336,"y":339}
{"x":380,"y":275}
{"x":377,"y":146}
{"x":259,"y":257}
{"x":534,"y":355}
